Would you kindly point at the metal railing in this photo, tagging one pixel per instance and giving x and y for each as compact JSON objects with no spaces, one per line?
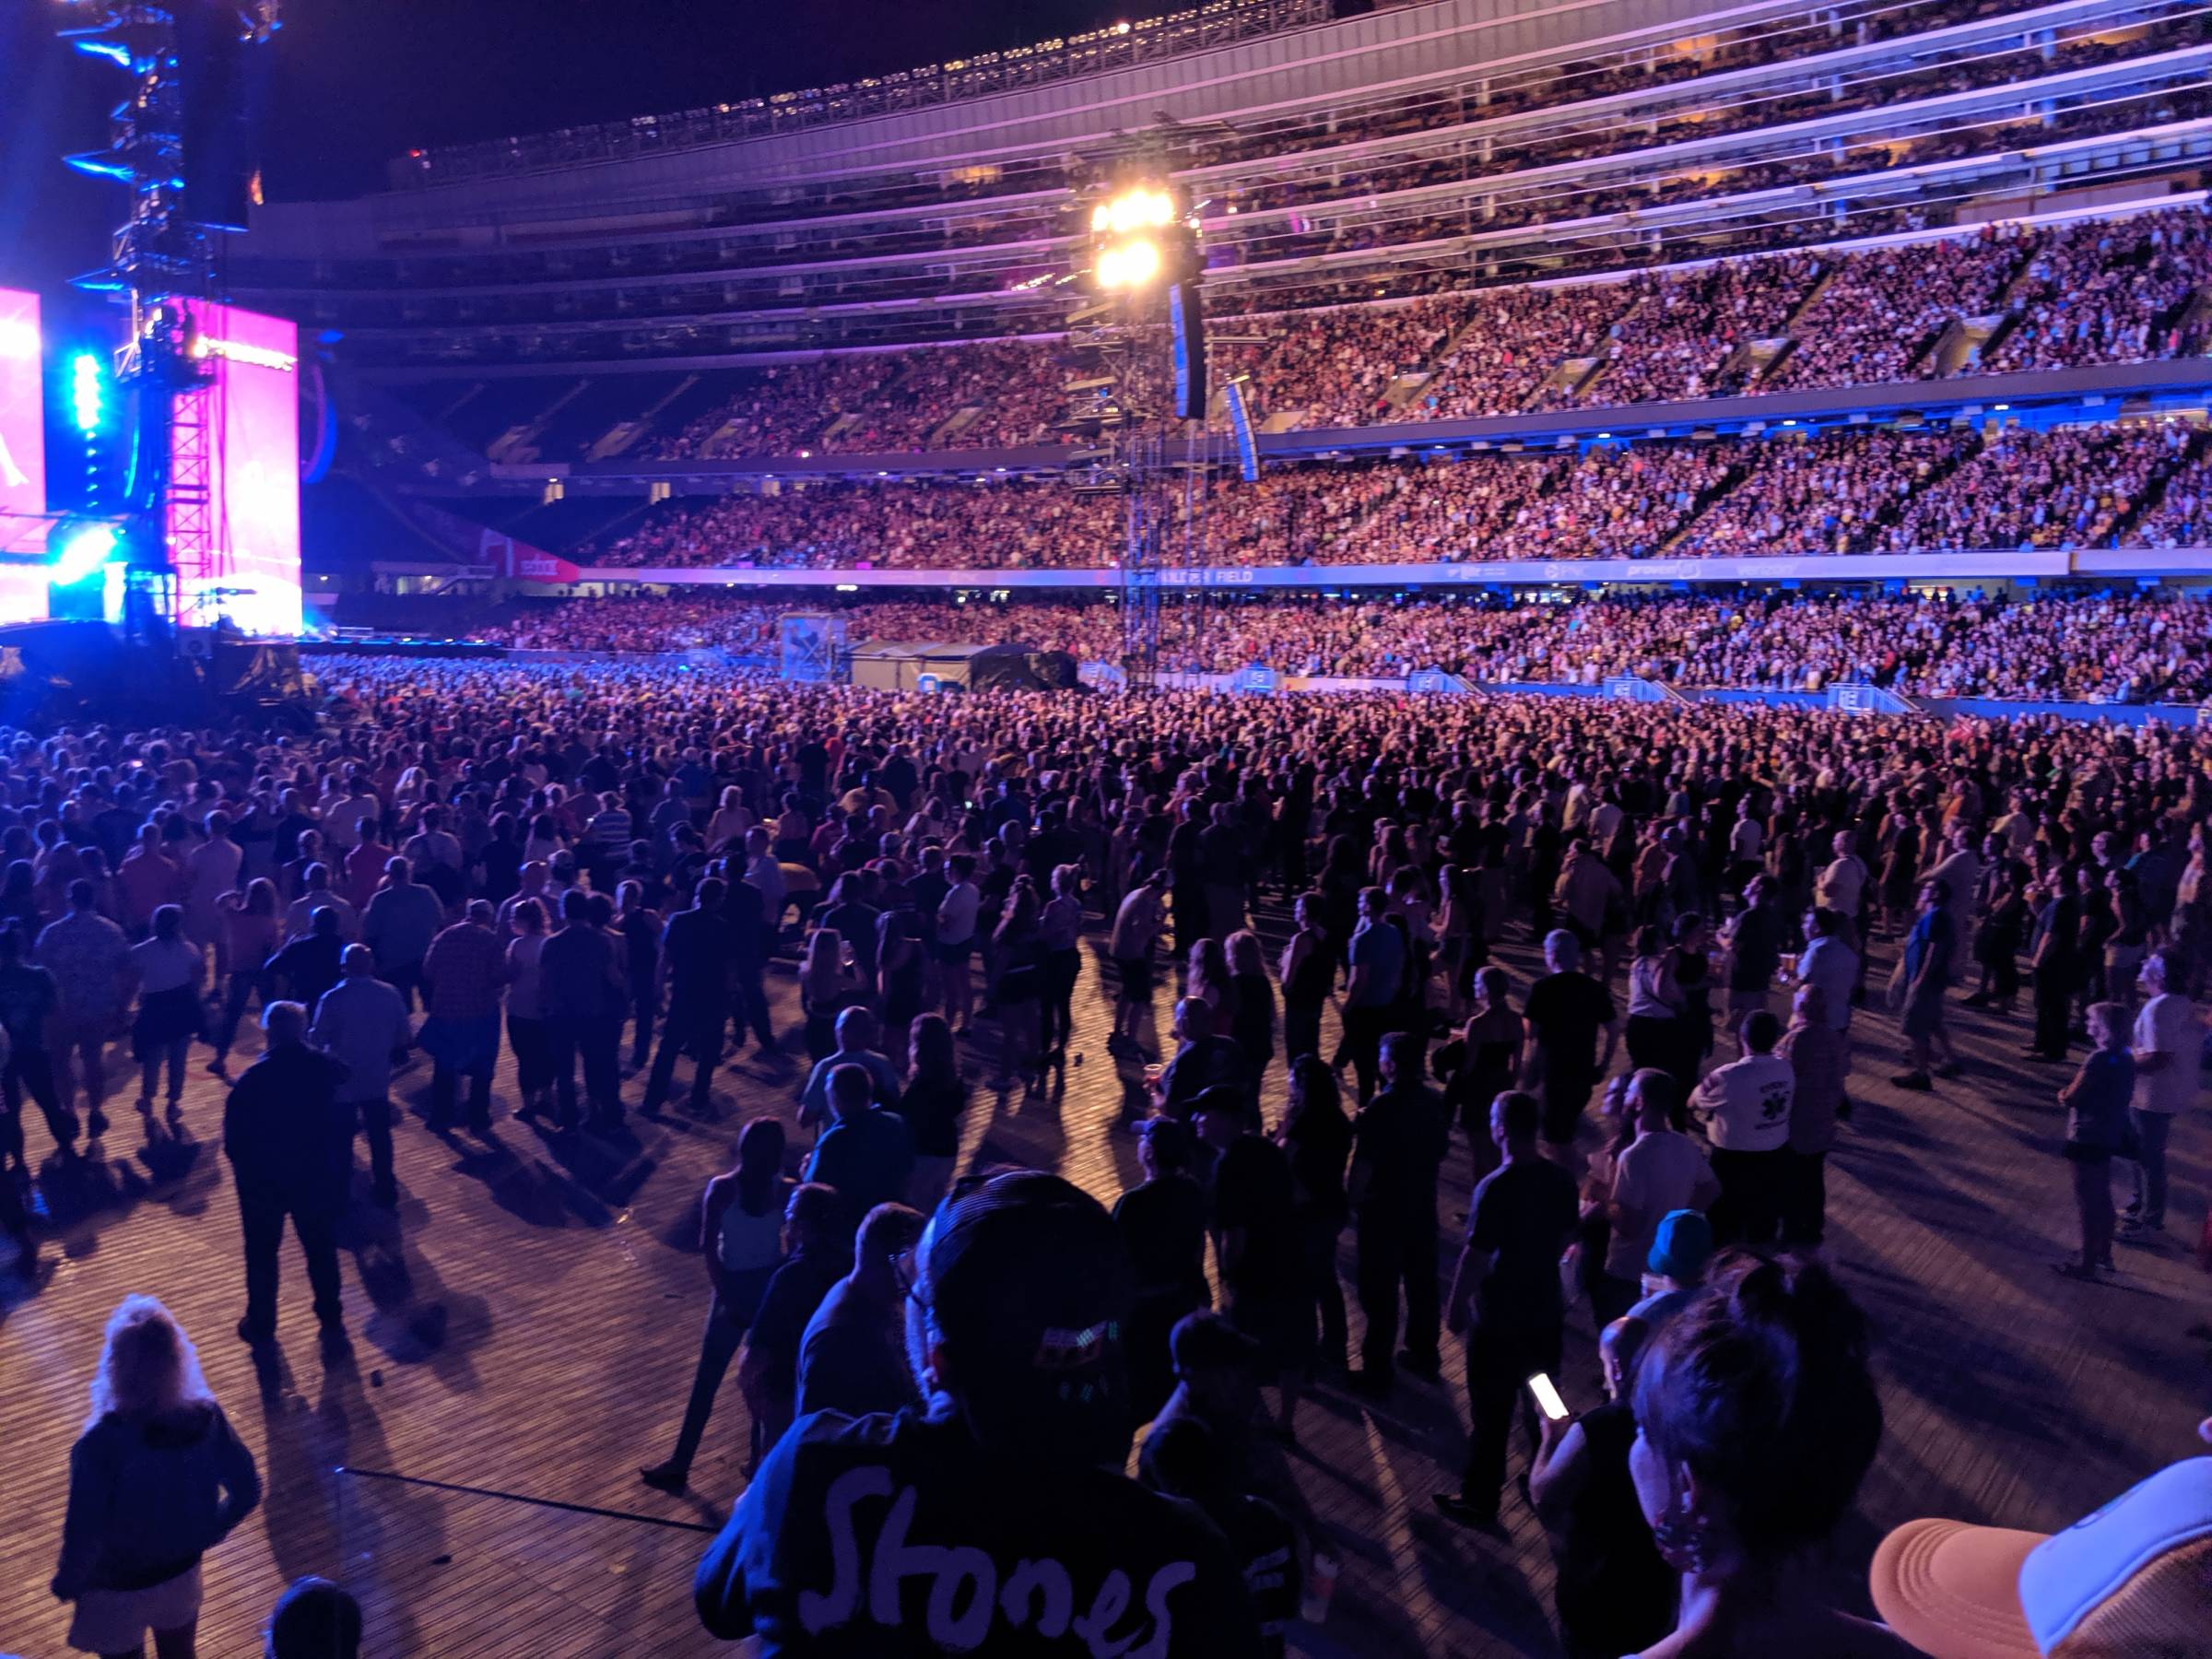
{"x":1119,"y":46}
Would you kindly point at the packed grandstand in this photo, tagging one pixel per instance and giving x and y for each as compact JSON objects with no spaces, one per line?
{"x":1907,"y":293}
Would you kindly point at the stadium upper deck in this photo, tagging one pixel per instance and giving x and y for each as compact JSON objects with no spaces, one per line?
{"x":1399,"y":161}
{"x":1389,"y":203}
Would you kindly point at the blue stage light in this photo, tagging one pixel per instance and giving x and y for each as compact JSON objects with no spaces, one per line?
{"x":88,"y":390}
{"x":83,"y":553}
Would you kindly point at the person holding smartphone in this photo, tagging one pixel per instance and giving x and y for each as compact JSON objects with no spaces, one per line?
{"x":1505,"y":1296}
{"x":1615,"y":1596}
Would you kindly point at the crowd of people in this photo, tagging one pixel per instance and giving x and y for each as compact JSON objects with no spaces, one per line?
{"x":2065,"y":296}
{"x":561,"y":858}
{"x":872,"y":402}
{"x":2123,"y":647}
{"x":1794,"y":491}
{"x":672,"y":622}
{"x":1015,"y":523}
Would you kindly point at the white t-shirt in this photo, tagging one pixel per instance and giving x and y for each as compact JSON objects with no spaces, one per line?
{"x":342,"y":822}
{"x":2168,"y":1025}
{"x":1831,"y":965}
{"x":1842,"y":883}
{"x":1746,"y":1106}
{"x":955,"y":913}
{"x":1960,"y":874}
{"x":1657,"y":1173}
{"x":166,"y":964}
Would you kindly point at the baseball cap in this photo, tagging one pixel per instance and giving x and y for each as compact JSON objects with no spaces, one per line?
{"x":1205,"y":1339}
{"x":1224,"y":1097}
{"x":1681,"y":1245}
{"x":1029,"y":1283}
{"x":2133,"y":1580}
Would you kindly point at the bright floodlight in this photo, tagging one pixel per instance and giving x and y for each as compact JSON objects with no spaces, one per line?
{"x":19,"y":337}
{"x":85,"y":552}
{"x":1130,"y":265}
{"x":1134,"y":210}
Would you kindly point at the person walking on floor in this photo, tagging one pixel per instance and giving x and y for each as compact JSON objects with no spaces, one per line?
{"x":1162,"y":1221}
{"x":27,"y":1000}
{"x":741,"y":1241}
{"x":697,"y":947}
{"x":818,"y":1252}
{"x":247,"y":938}
{"x":853,"y":1357}
{"x":2053,"y":962}
{"x":1377,"y":957}
{"x":1660,"y":1172}
{"x":1062,"y":923}
{"x":1569,"y":1015}
{"x":156,"y":1479}
{"x":528,"y":1031}
{"x":933,"y":1102}
{"x":402,"y":920}
{"x":581,"y":981}
{"x":2169,"y":1038}
{"x":2099,"y":1127}
{"x":1924,"y":974}
{"x":867,"y":1152}
{"x":1819,"y":1058}
{"x":1309,"y":973}
{"x":362,"y":1023}
{"x":461,"y":976}
{"x":1505,"y":1297}
{"x":1613,"y":1593}
{"x":1318,"y":1137}
{"x":172,"y":971}
{"x":291,"y":1146}
{"x":90,"y":962}
{"x":1399,"y":1140}
{"x":1745,"y":1108}
{"x":638,"y":926}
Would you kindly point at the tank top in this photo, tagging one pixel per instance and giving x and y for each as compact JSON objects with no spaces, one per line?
{"x":750,"y":1243}
{"x":1308,"y":985}
{"x":525,"y":987}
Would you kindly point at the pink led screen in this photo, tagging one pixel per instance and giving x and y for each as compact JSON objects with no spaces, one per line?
{"x":250,"y":427}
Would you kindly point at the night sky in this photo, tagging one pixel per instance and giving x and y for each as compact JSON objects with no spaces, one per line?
{"x":358,"y":81}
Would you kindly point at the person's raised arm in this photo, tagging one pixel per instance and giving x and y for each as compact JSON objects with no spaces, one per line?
{"x":1562,"y":1466}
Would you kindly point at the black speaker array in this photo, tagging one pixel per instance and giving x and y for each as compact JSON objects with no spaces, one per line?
{"x":225,"y":100}
{"x":1186,"y":324}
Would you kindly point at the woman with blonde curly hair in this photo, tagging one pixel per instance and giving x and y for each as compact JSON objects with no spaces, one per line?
{"x":158,"y":1478}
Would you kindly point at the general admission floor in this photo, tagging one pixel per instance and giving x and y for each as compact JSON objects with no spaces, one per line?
{"x":526,"y":1326}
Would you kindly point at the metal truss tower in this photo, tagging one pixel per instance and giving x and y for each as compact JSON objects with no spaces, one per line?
{"x":157,"y":257}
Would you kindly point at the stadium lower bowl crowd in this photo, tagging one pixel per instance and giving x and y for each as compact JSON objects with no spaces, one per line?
{"x":1618,"y":957}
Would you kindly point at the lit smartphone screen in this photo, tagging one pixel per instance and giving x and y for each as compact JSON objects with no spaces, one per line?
{"x":1547,"y":1397}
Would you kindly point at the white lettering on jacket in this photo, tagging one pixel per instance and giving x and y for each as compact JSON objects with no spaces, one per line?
{"x":967,"y":1592}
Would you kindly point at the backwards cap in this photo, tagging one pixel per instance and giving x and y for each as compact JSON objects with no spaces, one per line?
{"x":1029,"y":1283}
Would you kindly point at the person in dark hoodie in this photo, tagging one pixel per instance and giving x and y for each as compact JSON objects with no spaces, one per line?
{"x":998,"y":1521}
{"x":156,"y":1479}
{"x":291,"y":1146}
